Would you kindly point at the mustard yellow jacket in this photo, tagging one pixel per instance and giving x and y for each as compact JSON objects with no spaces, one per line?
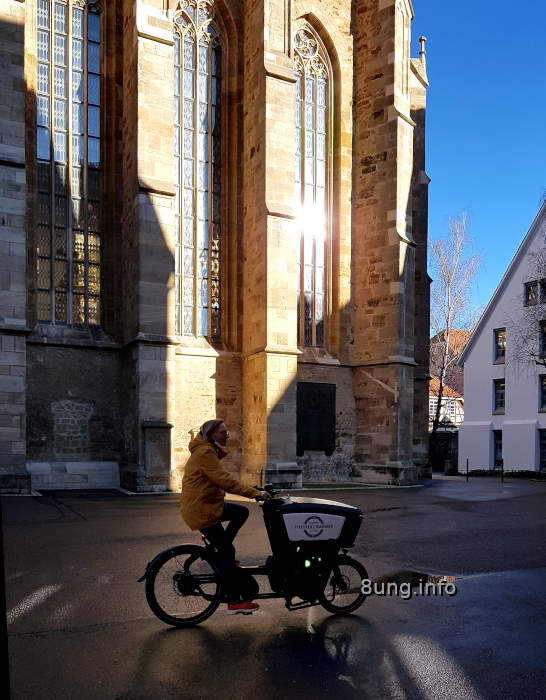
{"x":204,"y":484}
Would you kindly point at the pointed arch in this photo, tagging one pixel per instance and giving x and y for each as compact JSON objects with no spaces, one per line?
{"x":313,"y":178}
{"x":200,"y":47}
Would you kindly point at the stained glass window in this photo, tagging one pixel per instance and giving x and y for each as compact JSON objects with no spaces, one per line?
{"x":197,"y":162}
{"x":313,"y":105}
{"x":68,"y":244}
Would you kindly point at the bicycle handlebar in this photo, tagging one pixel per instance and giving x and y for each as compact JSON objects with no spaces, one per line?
{"x":272,"y":491}
{"x":270,"y":488}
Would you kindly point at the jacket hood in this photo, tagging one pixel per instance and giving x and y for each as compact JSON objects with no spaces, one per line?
{"x":198,"y":442}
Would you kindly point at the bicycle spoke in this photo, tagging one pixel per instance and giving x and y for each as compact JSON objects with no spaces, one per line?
{"x":185,"y":587}
{"x":342,"y":592}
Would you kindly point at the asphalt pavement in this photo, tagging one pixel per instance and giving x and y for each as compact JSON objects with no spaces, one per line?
{"x":79,"y":626}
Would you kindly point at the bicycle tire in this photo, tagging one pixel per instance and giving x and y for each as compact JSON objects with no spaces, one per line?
{"x":183,"y":587}
{"x":342,"y":593}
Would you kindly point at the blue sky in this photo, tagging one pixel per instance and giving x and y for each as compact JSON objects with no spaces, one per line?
{"x":486,"y":122}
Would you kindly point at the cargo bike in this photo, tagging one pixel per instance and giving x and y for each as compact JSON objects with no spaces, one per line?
{"x":309,"y":564}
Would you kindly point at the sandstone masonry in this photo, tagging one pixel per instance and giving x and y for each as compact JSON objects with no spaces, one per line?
{"x":115,"y":404}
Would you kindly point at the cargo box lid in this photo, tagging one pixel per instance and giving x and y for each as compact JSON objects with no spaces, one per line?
{"x":317,"y":505}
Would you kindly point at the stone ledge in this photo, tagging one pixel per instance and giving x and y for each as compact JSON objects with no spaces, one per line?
{"x":391,"y":476}
{"x":284,"y":475}
{"x":71,"y":336}
{"x":15,"y":484}
{"x":66,"y":475}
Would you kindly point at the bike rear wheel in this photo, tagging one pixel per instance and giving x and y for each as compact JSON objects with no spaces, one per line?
{"x":183,"y":588}
{"x":342,"y":593}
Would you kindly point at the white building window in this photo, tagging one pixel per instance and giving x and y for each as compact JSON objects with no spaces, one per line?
{"x":500,"y":344}
{"x":542,"y":448}
{"x":498,"y":394}
{"x":497,"y":449}
{"x":542,"y":391}
{"x":530,"y":293}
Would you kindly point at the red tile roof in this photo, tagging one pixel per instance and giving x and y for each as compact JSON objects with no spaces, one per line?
{"x":434,"y":388}
{"x":457,"y":339}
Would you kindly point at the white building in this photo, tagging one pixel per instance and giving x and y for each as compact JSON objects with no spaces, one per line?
{"x":451,"y":409}
{"x":505,"y":399}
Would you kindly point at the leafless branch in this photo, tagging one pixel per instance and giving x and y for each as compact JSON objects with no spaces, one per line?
{"x":453,"y":268}
{"x":526,"y":342}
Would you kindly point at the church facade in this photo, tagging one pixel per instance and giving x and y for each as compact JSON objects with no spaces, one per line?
{"x":211,"y":208}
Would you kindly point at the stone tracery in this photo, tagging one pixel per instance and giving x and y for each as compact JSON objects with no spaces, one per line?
{"x":68,"y":242}
{"x":311,"y":178}
{"x":198,"y":65}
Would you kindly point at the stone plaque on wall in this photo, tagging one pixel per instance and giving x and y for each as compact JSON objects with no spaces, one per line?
{"x":316,"y":417}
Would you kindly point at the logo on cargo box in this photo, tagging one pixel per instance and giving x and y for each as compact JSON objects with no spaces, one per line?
{"x":314,"y":526}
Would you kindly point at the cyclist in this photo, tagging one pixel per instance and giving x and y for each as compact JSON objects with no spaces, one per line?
{"x":203,"y":507}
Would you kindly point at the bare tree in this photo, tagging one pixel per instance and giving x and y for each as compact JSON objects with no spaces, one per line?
{"x":528,"y":328}
{"x":453,"y":268}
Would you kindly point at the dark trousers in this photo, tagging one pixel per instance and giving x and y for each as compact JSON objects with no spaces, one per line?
{"x":222,"y":540}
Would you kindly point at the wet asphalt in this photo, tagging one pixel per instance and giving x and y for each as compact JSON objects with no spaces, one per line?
{"x":79,"y":626}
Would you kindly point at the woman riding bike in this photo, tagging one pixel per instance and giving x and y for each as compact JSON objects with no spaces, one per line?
{"x":203,"y":507}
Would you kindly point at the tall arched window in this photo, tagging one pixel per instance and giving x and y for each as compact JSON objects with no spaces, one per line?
{"x":313,"y":106}
{"x":197,"y":168}
{"x":68,"y":243}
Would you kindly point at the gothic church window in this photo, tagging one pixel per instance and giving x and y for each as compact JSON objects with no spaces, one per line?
{"x":68,"y":238}
{"x":312,"y":196}
{"x":197,"y":168}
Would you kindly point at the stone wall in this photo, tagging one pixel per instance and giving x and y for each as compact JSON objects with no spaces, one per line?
{"x":74,"y":425}
{"x":73,"y":404}
{"x":383,"y":246}
{"x":129,"y":262}
{"x":13,"y":476}
{"x":420,"y":182}
{"x":206,"y":386}
{"x":269,"y":244}
{"x":144,"y":388}
{"x":317,"y":466}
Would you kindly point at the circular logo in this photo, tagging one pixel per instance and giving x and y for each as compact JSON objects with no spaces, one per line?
{"x":313,"y":526}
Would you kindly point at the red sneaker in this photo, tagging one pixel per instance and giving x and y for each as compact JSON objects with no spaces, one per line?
{"x":244,"y":607}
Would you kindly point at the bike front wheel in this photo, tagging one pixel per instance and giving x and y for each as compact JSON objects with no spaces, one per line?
{"x":342,"y":593}
{"x":183,"y":587}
